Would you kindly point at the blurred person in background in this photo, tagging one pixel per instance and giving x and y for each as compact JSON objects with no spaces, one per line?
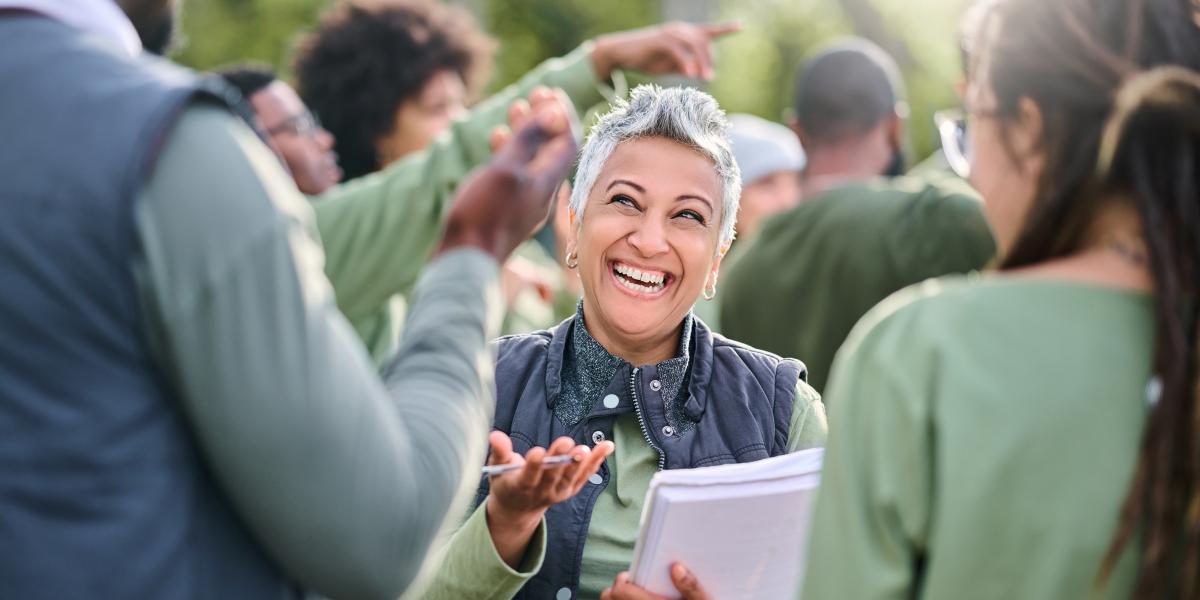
{"x":849,"y":115}
{"x":290,"y":128}
{"x":814,"y":270}
{"x":771,"y":160}
{"x":651,"y":214}
{"x":185,"y":413}
{"x":388,"y":76}
{"x":1033,"y":433}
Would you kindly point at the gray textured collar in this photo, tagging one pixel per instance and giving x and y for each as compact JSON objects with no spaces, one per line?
{"x":588,"y":369}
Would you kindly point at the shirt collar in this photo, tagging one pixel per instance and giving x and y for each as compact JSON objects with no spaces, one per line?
{"x":593,"y":356}
{"x":590,"y":368}
{"x":99,"y":17}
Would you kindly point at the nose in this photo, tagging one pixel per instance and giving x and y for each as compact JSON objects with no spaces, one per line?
{"x":650,"y":238}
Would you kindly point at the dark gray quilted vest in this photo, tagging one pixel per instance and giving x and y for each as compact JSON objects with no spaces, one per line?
{"x":740,"y":399}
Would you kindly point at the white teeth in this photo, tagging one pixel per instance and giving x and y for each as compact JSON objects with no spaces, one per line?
{"x":632,"y":273}
{"x":653,"y":283}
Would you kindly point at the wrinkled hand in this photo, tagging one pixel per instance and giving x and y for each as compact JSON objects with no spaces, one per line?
{"x":685,"y":583}
{"x":501,"y":205}
{"x":674,"y":48}
{"x":518,"y":499}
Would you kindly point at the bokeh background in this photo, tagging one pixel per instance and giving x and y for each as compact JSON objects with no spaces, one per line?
{"x":755,"y":68}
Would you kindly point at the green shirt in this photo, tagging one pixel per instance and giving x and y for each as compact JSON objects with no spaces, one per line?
{"x":472,"y":570}
{"x":808,"y":276}
{"x":984,"y":435}
{"x":344,"y":480}
{"x":379,"y":230}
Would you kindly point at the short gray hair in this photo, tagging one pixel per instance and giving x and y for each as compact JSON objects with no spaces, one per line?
{"x":683,"y":115}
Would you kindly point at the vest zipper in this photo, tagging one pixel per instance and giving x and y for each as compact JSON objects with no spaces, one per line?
{"x":637,"y":407}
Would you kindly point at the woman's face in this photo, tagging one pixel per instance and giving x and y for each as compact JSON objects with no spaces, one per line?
{"x":647,"y":240}
{"x":422,"y":118}
{"x":1006,"y":157}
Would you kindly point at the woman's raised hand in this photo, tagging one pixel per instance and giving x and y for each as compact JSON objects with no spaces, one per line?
{"x":685,"y":583}
{"x":518,"y":499}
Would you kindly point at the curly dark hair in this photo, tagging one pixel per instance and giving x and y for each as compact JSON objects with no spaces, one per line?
{"x":366,"y":58}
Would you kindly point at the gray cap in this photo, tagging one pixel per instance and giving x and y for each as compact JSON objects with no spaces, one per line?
{"x":762,"y":147}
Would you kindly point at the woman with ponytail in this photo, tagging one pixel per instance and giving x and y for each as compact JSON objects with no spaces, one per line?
{"x":1035,"y":433}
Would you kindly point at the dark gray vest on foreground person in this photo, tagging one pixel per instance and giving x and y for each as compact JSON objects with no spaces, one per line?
{"x":736,"y":401}
{"x":102,"y":491}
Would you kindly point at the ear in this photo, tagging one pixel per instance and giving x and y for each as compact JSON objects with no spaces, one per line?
{"x":894,"y":129}
{"x":572,"y":232}
{"x":716,"y":266}
{"x":1025,"y":135}
{"x":794,"y":125}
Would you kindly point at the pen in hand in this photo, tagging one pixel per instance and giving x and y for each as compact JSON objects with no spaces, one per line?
{"x":548,"y":462}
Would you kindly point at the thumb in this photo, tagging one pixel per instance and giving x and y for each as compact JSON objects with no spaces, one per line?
{"x":686,"y":583}
{"x":502,"y":449}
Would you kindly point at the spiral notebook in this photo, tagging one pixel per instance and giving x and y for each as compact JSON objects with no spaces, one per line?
{"x":741,"y":529}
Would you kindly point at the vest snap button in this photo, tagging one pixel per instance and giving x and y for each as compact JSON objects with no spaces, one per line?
{"x":595,"y":479}
{"x":668,"y":430}
{"x":597,"y":436}
{"x":563,"y":594}
{"x":611,"y":401}
{"x":655,"y":385}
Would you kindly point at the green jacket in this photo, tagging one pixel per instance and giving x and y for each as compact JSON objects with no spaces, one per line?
{"x":378,"y":231}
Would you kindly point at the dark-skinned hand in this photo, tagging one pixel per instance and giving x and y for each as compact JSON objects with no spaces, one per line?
{"x":685,"y":582}
{"x":503,"y":203}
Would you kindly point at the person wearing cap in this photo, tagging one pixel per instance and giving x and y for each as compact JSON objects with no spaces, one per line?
{"x":811,"y":272}
{"x":771,"y":160}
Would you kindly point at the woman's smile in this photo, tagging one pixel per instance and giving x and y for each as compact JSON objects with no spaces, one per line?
{"x":639,"y":282}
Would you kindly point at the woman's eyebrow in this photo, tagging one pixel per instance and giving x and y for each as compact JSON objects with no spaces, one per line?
{"x":626,"y":182}
{"x":695,"y":197}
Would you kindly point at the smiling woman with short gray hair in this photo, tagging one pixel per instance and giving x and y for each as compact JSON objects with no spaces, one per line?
{"x":652,"y":214}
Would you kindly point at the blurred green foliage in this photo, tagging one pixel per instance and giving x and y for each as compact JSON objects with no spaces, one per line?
{"x":755,"y":68}
{"x":220,"y":32}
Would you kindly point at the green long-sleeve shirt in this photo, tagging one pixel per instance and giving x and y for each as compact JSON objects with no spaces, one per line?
{"x":379,"y":230}
{"x":984,"y":436}
{"x":344,"y":480}
{"x":472,"y":570}
{"x":812,"y":272}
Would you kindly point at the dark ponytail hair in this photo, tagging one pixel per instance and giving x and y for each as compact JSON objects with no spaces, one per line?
{"x":1150,"y":152}
{"x":1117,"y":84}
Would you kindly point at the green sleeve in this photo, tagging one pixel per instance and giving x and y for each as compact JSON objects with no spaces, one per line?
{"x":470,"y":568}
{"x":345,"y":481}
{"x":872,"y":512}
{"x":808,"y":426}
{"x":379,"y":230}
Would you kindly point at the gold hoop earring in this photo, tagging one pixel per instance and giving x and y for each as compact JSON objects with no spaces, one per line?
{"x":571,"y":259}
{"x":710,"y":291}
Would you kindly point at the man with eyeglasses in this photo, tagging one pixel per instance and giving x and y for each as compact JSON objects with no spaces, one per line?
{"x":861,"y":235}
{"x":292,"y":131}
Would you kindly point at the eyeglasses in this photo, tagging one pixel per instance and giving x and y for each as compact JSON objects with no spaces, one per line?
{"x":303,"y":124}
{"x":952,"y":129}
